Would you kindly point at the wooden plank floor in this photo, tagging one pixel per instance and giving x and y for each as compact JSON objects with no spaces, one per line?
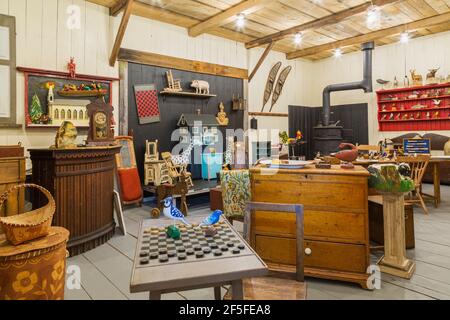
{"x":106,"y":270}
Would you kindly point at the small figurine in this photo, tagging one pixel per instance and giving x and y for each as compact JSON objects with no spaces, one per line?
{"x":416,"y":78}
{"x":222,"y":116}
{"x":391,"y":116}
{"x":428,"y":115}
{"x":299,"y":135}
{"x":173,"y":232}
{"x":201,"y":87}
{"x":170,"y":211}
{"x":66,"y":136}
{"x":71,"y":66}
{"x":347,"y":155}
{"x":395,"y":82}
{"x":431,"y":76}
{"x":212,"y":219}
{"x":210,"y":232}
{"x":382,"y":82}
{"x":436,"y":102}
{"x":436,"y":115}
{"x":397,"y":117}
{"x":383,"y":117}
{"x":418,"y":115}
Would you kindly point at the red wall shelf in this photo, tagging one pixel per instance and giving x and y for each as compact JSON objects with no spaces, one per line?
{"x":439,"y":92}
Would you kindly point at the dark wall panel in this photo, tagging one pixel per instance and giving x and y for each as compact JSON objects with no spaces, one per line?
{"x":353,"y":117}
{"x":172,"y":107}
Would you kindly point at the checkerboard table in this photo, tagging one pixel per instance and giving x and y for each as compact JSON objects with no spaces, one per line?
{"x":164,"y":265}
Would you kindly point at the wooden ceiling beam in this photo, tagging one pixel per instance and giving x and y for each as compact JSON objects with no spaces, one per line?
{"x":121,"y":32}
{"x":412,"y":26}
{"x":318,"y":23}
{"x":224,"y":17}
{"x":261,"y":60}
{"x":117,"y":8}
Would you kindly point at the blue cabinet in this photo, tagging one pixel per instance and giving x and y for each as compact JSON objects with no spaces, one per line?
{"x":211,"y":165}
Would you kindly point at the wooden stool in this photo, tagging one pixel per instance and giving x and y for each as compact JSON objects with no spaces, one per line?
{"x":34,"y":270}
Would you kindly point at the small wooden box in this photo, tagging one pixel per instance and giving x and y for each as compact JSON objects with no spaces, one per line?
{"x":11,"y":151}
{"x":376,"y":225}
{"x":215,"y":199}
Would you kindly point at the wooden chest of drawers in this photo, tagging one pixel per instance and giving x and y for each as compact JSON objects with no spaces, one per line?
{"x":336,"y":220}
{"x":12,"y":172}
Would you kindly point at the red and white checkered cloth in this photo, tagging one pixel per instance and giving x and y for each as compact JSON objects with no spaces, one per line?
{"x":147,"y":103}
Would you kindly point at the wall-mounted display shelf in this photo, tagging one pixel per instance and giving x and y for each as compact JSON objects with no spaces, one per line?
{"x":423,"y":108}
{"x":189,"y":94}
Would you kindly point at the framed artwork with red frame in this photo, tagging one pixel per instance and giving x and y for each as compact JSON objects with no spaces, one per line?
{"x":37,"y":84}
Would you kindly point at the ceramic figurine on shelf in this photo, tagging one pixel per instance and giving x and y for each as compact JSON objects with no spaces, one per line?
{"x":405,"y":116}
{"x":383,"y":117}
{"x":170,"y":211}
{"x":382,"y":82}
{"x":436,"y":103}
{"x":391,"y":116}
{"x":71,"y":66}
{"x":436,"y":115}
{"x":395,"y":82}
{"x":417,"y":115}
{"x":397,"y":117}
{"x":416,"y":78}
{"x":383,"y":108}
{"x":347,"y":155}
{"x":431,"y":76}
{"x":212,"y":219}
{"x":394,"y":108}
{"x":201,"y":87}
{"x":428,"y":115}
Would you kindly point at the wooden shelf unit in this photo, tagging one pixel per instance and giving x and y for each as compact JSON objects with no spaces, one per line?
{"x":189,"y":94}
{"x":439,"y":92}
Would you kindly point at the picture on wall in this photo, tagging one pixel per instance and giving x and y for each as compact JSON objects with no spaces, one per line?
{"x":147,"y":103}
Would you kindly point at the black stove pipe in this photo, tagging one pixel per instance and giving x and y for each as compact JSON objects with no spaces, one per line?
{"x":365,"y":84}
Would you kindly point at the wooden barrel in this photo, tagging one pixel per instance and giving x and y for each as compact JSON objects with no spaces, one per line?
{"x":34,"y":270}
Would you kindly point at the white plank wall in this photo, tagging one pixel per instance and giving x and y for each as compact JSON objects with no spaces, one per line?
{"x":45,"y":42}
{"x":388,"y":61}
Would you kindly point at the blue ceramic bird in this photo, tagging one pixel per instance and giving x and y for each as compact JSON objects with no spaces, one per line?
{"x":212,"y":219}
{"x":171,"y":211}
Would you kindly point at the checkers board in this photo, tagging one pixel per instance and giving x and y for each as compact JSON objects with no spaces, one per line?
{"x":157,"y":248}
{"x":195,"y":260}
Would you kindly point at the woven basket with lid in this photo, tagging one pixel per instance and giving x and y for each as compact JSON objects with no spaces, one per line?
{"x":30,"y":225}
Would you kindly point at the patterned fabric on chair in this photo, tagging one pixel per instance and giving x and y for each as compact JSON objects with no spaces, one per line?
{"x":235,"y":193}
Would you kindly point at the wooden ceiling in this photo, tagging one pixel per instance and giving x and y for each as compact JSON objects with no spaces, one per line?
{"x":325,"y":24}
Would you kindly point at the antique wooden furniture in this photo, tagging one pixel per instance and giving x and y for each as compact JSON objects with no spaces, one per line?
{"x":205,"y":269}
{"x":395,"y":261}
{"x":275,"y":287}
{"x":215,"y":199}
{"x":376,"y":223}
{"x":100,"y":116}
{"x":128,"y":176}
{"x":412,"y":108}
{"x":34,"y":270}
{"x":436,"y":162}
{"x":177,"y":171}
{"x":418,"y":166}
{"x":82,"y":183}
{"x":12,"y":151}
{"x":12,"y":173}
{"x":336,"y":220}
{"x":28,"y":226}
{"x":155,"y":170}
{"x":235,"y":186}
{"x":174,"y":84}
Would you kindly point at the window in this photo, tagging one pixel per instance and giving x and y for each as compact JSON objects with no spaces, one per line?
{"x":8,"y":71}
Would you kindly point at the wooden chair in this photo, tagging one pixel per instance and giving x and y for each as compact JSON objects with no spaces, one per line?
{"x":176,"y":171}
{"x":174,"y":84}
{"x":418,"y":166}
{"x":277,"y":286}
{"x":367,"y":147}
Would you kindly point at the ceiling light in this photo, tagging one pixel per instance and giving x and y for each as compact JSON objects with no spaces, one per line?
{"x":298,"y":38}
{"x":404,"y":37}
{"x":240,"y":21}
{"x":373,"y":18}
{"x":337,"y":52}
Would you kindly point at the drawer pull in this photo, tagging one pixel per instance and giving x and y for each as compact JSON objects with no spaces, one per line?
{"x":308,"y":251}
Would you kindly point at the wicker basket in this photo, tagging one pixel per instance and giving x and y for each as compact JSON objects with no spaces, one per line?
{"x":30,"y":225}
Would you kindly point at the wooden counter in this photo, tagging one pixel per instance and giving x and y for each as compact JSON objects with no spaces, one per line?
{"x":336,"y":220}
{"x":82,"y":183}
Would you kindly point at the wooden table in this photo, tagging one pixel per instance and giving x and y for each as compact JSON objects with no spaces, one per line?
{"x":82,"y":182}
{"x":192,"y":273}
{"x":435,"y":163}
